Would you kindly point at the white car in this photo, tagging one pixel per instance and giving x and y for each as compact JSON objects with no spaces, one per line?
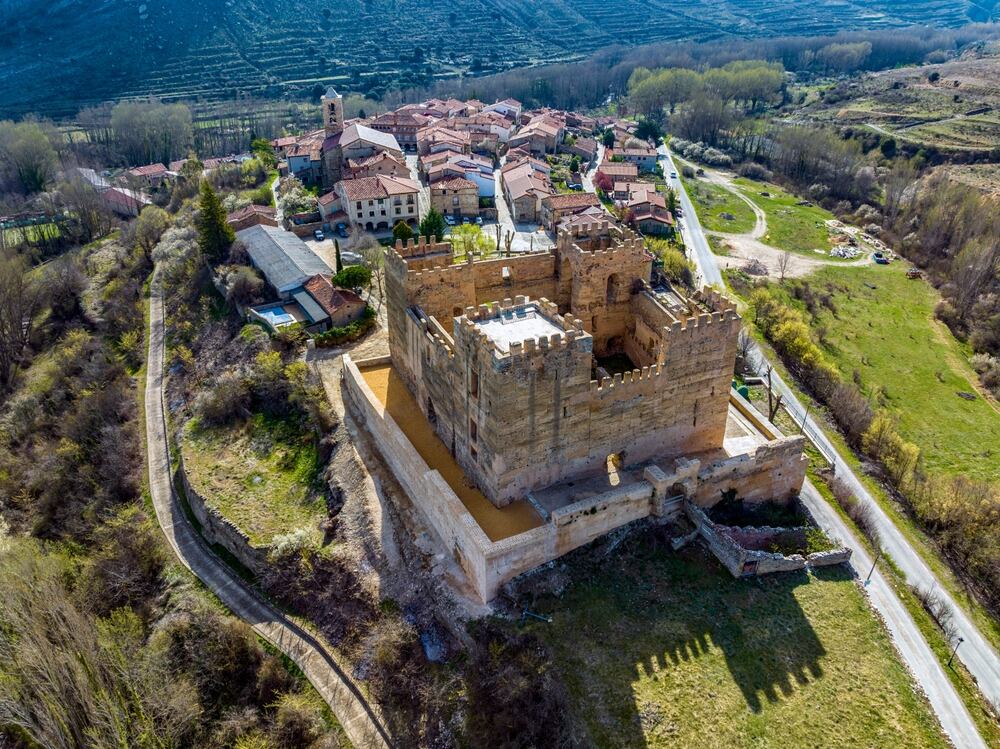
{"x":673,"y":175}
{"x":350,"y":258}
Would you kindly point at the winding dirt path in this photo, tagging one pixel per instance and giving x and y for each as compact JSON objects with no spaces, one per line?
{"x":360,"y":720}
{"x":743,"y":247}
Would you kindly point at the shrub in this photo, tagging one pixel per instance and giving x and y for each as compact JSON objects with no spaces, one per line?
{"x":263,"y":195}
{"x":348,"y":333}
{"x":225,"y":400}
{"x":755,"y":171}
{"x":353,"y":277}
{"x":861,"y":514}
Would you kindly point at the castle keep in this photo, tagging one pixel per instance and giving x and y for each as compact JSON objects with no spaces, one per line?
{"x":518,"y":388}
{"x":567,"y":390}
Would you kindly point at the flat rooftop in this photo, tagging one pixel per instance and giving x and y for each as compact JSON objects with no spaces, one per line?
{"x":516,"y":325}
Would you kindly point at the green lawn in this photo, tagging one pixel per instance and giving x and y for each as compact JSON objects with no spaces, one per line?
{"x":263,"y":475}
{"x":889,"y":335}
{"x":797,"y":228}
{"x":711,"y":201}
{"x":663,"y":649}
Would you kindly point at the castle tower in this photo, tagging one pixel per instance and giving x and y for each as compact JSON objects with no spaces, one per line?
{"x":333,"y":112}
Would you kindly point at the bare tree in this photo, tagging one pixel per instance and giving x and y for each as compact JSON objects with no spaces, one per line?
{"x":373,"y":255}
{"x":94,"y":217}
{"x":784,"y":261}
{"x":19,"y":300}
{"x":744,"y":343}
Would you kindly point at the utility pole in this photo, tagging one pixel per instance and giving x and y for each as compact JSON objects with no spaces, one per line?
{"x":960,"y":641}
{"x":878,"y":555}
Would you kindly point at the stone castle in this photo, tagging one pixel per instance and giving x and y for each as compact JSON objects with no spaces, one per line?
{"x":564,"y":379}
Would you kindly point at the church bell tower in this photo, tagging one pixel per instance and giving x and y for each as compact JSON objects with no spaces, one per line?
{"x":333,"y":112}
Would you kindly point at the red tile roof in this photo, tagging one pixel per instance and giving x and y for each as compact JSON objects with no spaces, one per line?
{"x":379,"y":186}
{"x":572,"y":200}
{"x":455,"y":183}
{"x":328,"y":296}
{"x":149,"y":170}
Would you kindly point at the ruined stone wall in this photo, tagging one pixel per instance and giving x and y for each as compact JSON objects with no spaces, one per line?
{"x":533,"y":276}
{"x":773,"y":472}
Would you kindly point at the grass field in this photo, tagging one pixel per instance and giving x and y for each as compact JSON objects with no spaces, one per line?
{"x":798,"y":228}
{"x":711,"y":201}
{"x":262,"y":475}
{"x":661,"y":649}
{"x":890,"y":336}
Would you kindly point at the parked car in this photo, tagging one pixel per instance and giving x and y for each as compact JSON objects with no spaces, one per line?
{"x":673,"y":175}
{"x":450,"y":220}
{"x":342,"y":231}
{"x":880,"y":258}
{"x":318,"y":235}
{"x":466,"y":220}
{"x":479,"y":220}
{"x":350,"y":258}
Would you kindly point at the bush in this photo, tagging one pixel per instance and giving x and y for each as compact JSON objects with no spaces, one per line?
{"x":353,"y":277}
{"x":263,"y":195}
{"x":755,"y":171}
{"x":348,"y":333}
{"x":861,"y":514}
{"x":225,"y":400}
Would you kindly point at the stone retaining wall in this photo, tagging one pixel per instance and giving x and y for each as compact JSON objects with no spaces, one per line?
{"x":217,"y":529}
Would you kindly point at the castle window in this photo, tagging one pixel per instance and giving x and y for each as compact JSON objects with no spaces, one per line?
{"x":473,"y":431}
{"x":474,"y":385}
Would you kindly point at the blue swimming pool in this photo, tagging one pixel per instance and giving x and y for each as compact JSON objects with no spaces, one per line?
{"x":276,"y":316}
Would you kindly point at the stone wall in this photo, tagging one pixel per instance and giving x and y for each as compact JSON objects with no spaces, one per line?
{"x":725,"y":543}
{"x":773,"y":472}
{"x":217,"y":529}
{"x":487,"y":564}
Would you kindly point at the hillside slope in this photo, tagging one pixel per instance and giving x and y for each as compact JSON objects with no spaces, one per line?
{"x":58,"y":56}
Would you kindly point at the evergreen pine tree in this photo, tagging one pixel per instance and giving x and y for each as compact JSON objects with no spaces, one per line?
{"x":214,"y":234}
{"x":339,"y":263}
{"x":432,"y":225}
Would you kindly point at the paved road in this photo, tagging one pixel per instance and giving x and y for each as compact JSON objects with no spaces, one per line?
{"x":919,"y":658}
{"x":277,"y":206}
{"x":979,"y":657}
{"x":588,"y":176}
{"x":360,"y":721}
{"x":975,"y":652}
{"x":691,"y":231}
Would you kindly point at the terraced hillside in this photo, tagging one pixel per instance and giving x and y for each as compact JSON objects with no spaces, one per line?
{"x":58,"y":56}
{"x":953,"y":105}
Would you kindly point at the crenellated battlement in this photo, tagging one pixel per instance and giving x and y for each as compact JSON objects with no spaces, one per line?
{"x":480,"y":323}
{"x":714,"y":300}
{"x":621,"y":381}
{"x":416,"y":256}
